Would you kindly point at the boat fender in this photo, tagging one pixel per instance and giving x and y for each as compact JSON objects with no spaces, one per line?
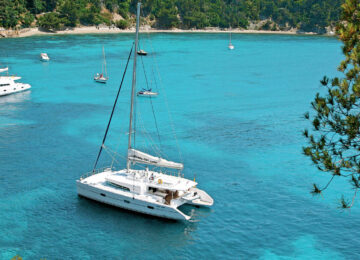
{"x":160,"y":181}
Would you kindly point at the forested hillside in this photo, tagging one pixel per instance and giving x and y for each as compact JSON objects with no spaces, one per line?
{"x":306,"y":15}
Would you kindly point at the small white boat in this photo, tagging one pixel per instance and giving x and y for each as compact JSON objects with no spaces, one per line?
{"x":146,"y":93}
{"x":102,"y":77}
{"x":142,"y":53}
{"x":230,"y":46}
{"x":4,"y":69}
{"x":44,"y":57}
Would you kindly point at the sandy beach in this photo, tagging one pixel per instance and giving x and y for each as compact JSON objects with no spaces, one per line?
{"x":108,"y":30}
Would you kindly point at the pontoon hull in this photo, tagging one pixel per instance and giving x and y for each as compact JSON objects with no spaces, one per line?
{"x":129,"y":203}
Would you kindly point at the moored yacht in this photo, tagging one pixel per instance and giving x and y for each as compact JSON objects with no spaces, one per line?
{"x":142,"y":53}
{"x":148,"y":191}
{"x":44,"y":57}
{"x":102,"y":77}
{"x":9,"y":86}
{"x":146,"y":93}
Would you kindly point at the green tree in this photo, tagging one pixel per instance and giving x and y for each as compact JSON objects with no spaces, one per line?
{"x":122,"y":24}
{"x":50,"y":21}
{"x":168,"y":18}
{"x":334,"y":141}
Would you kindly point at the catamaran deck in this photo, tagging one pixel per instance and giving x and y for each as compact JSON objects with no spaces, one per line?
{"x":118,"y":182}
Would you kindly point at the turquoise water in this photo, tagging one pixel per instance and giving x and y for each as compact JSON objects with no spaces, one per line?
{"x":238,"y":121}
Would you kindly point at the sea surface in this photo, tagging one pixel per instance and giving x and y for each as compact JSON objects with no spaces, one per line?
{"x":235,"y":121}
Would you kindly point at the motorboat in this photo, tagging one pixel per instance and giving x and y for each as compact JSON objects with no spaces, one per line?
{"x":9,"y":86}
{"x":44,"y":57}
{"x":4,"y":69}
{"x":142,"y":53}
{"x":150,"y":184}
{"x":146,"y":93}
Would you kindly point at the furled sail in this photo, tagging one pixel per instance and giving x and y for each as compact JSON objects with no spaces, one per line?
{"x":144,"y":158}
{"x":4,"y":69}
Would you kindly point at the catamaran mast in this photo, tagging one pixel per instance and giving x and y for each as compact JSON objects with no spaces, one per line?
{"x":133,"y":82}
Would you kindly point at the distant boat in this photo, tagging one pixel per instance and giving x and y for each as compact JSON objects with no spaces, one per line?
{"x":231,"y":47}
{"x":102,"y":77}
{"x":142,"y":53}
{"x":146,"y":93}
{"x":9,"y":86}
{"x":4,"y":69}
{"x":44,"y":57}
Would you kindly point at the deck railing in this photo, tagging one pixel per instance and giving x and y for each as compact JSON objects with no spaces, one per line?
{"x":96,"y":171}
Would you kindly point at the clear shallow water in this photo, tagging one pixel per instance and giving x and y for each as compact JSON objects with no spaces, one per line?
{"x":238,"y":120}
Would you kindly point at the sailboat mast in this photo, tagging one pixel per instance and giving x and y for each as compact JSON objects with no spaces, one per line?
{"x":133,"y":82}
{"x":104,"y":62}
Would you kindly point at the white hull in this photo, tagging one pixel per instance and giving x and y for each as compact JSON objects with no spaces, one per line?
{"x":13,"y":88}
{"x":130,"y":202}
{"x":147,"y":94}
{"x":100,"y":79}
{"x":44,"y":57}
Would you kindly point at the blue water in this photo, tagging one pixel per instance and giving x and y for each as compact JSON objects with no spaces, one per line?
{"x":237,"y":116}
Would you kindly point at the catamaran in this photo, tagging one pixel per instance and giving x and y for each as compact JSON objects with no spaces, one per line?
{"x":231,"y":46}
{"x":9,"y":86}
{"x":147,"y":191}
{"x":102,"y":77}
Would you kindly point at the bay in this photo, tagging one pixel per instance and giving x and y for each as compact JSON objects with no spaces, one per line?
{"x":237,"y":117}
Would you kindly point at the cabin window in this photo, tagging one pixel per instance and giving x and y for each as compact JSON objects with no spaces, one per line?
{"x":4,"y":85}
{"x":151,"y":189}
{"x":150,"y":207}
{"x":126,"y":201}
{"x":102,"y":194}
{"x":119,"y":186}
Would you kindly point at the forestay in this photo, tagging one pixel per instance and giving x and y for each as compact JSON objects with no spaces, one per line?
{"x":144,"y":158}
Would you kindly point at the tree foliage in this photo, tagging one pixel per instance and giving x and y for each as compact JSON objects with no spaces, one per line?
{"x":306,"y":15}
{"x":50,"y":21}
{"x":334,"y":142}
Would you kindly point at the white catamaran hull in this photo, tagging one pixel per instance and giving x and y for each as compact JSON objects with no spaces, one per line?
{"x":129,"y":203}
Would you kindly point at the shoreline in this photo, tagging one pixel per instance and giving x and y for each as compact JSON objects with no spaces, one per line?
{"x":113,"y":30}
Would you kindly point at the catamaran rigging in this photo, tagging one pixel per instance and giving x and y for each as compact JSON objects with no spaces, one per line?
{"x":146,"y":191}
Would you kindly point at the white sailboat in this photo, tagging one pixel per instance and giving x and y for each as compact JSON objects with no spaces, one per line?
{"x":102,"y":77}
{"x":146,"y":191}
{"x":231,"y":46}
